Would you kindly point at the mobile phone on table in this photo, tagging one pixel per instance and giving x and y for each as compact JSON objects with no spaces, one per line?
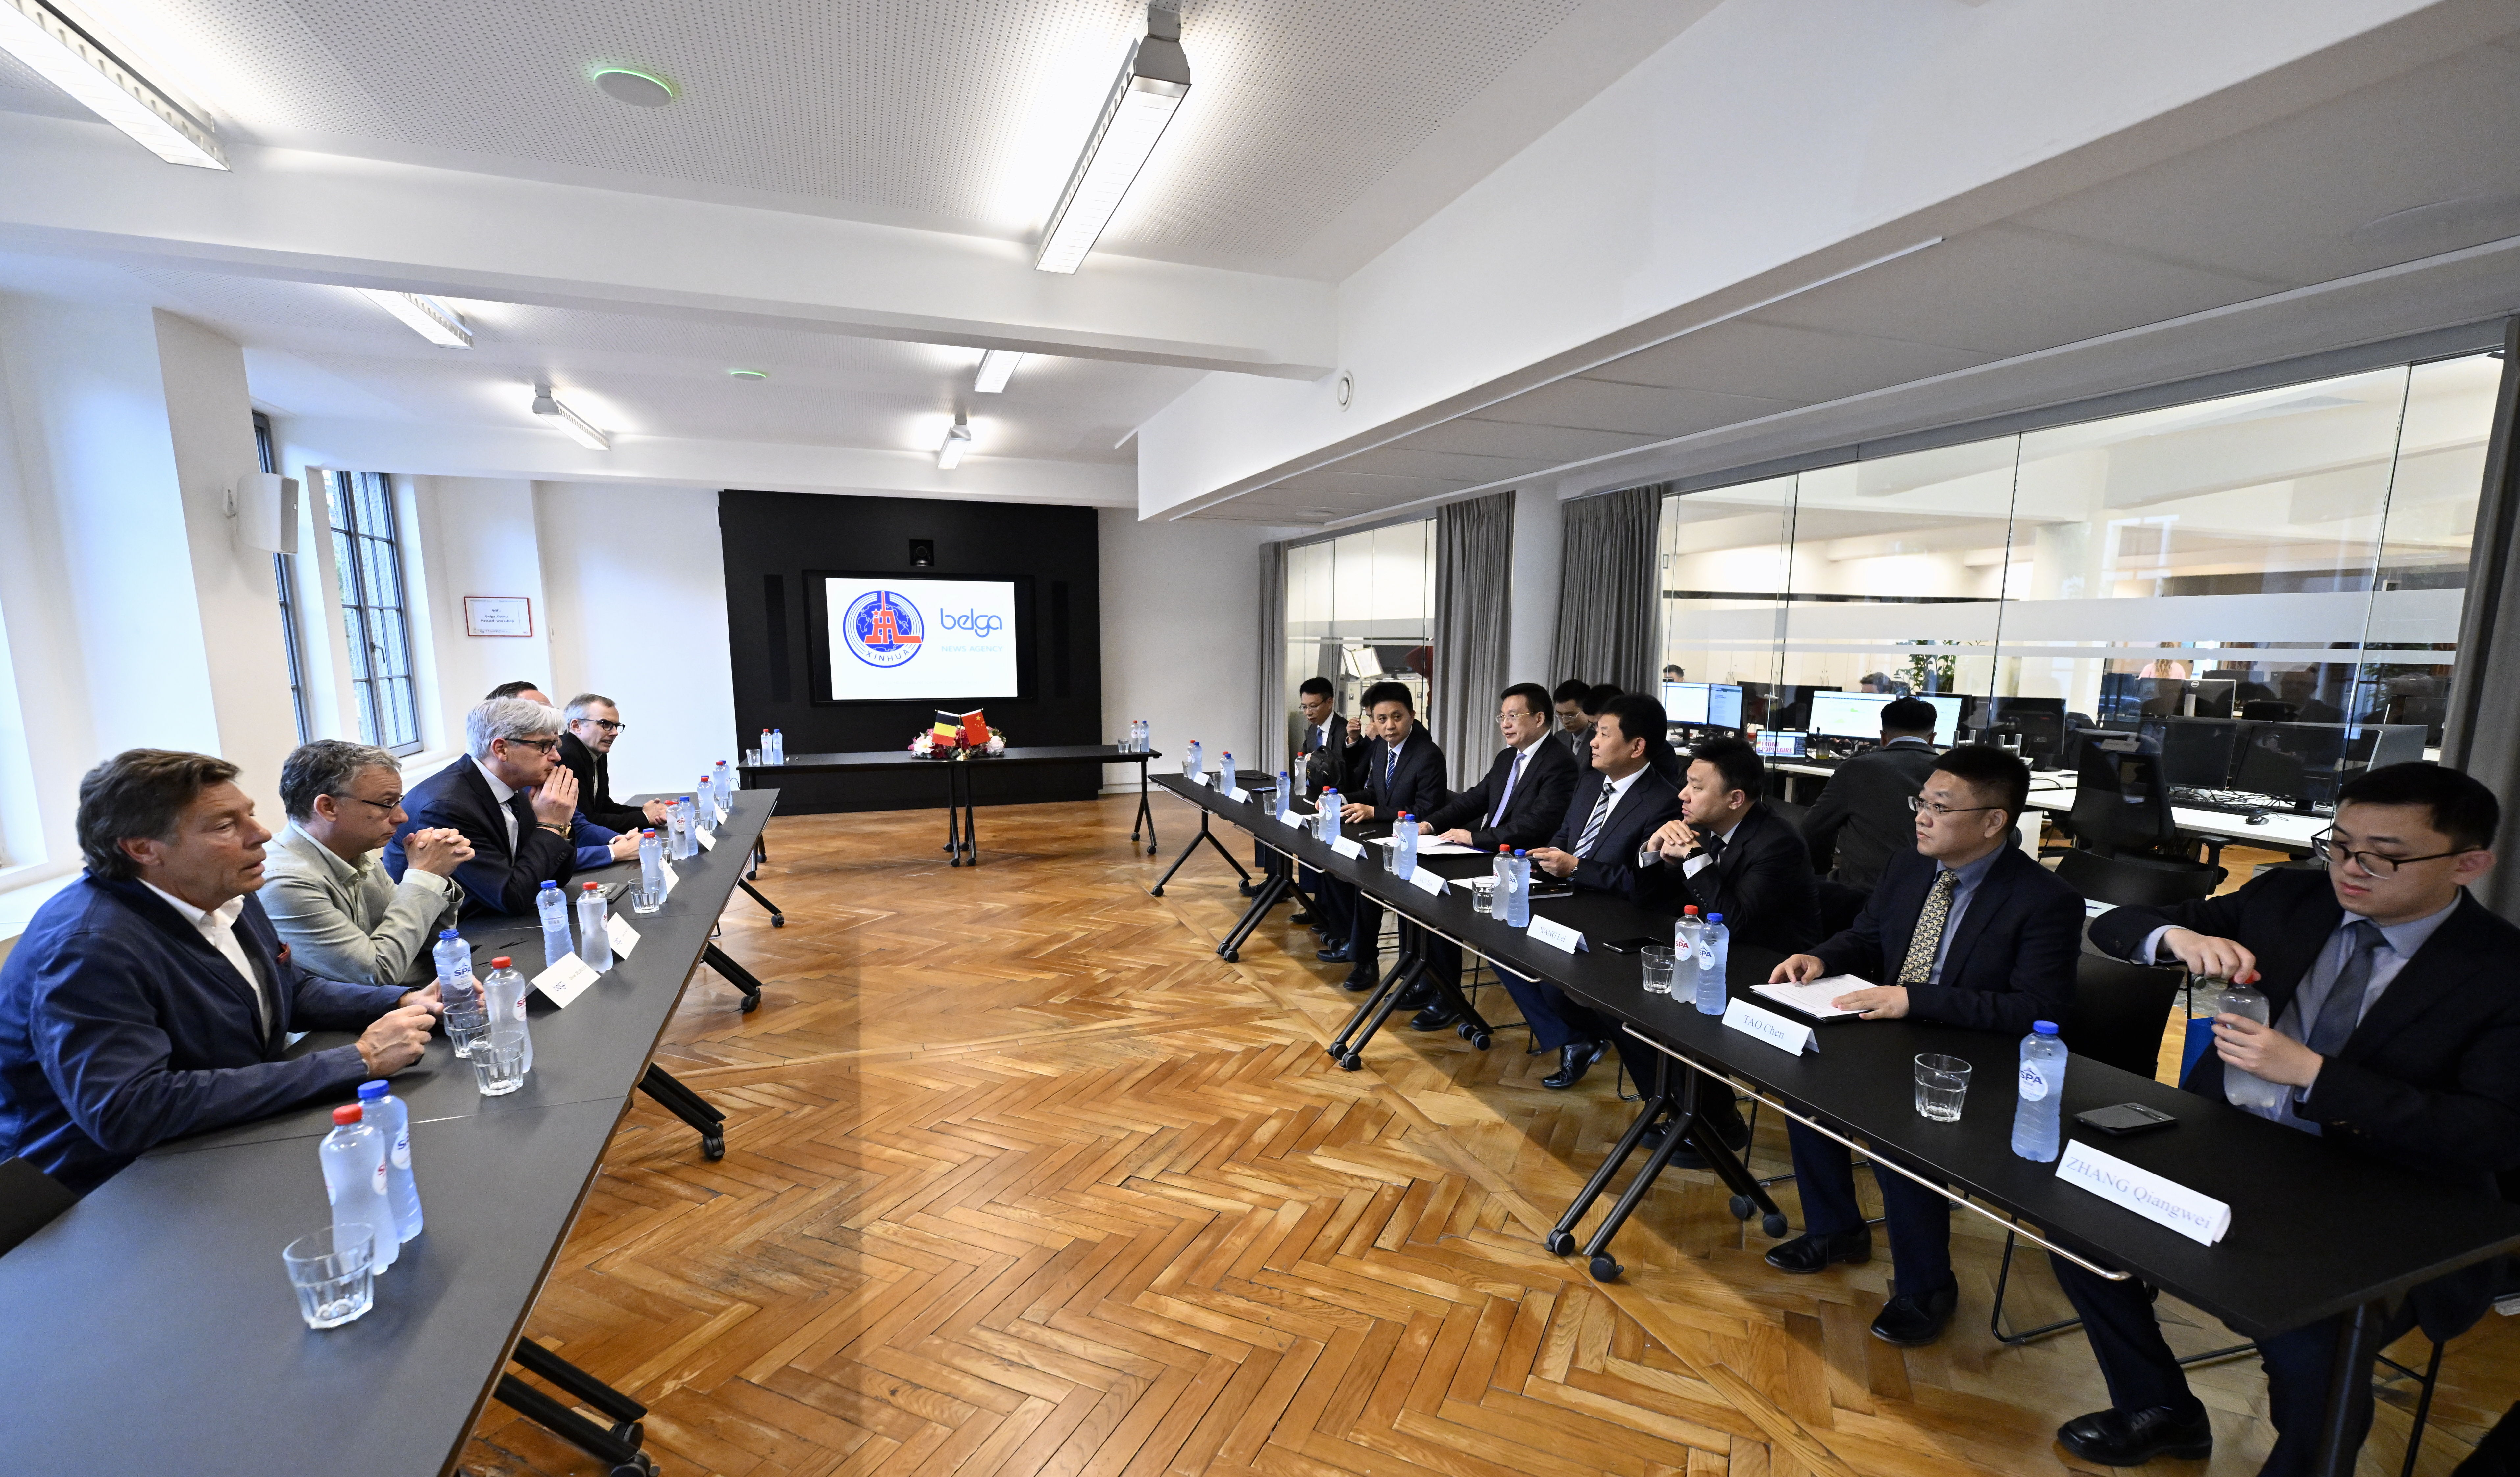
{"x":2125,"y":1119}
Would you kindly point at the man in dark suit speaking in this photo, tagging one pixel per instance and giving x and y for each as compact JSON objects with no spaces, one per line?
{"x":2396,"y":999}
{"x":516,"y":802}
{"x":1402,"y":773}
{"x":1964,"y":928}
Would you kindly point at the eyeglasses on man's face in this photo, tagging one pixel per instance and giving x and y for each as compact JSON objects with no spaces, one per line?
{"x":393,"y":804}
{"x":608,"y":724}
{"x":1924,"y":807}
{"x":545,"y":744}
{"x":2324,"y":847}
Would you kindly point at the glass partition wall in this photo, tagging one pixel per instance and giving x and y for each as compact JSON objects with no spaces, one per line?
{"x":1361,"y":609}
{"x":2302,"y":549}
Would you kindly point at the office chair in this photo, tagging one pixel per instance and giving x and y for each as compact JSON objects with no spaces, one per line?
{"x":2120,"y":803}
{"x":2136,"y":882}
{"x":1839,"y":904}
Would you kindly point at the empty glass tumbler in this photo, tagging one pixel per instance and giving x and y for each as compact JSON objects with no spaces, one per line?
{"x":335,"y":1275}
{"x":1941,"y":1084}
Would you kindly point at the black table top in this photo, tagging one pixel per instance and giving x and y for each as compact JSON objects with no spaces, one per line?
{"x":902,"y":758}
{"x":2307,"y":1238}
{"x":154,"y":1316}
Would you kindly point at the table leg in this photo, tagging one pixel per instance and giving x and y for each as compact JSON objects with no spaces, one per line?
{"x":952,"y":819}
{"x":735,"y":974}
{"x":1273,"y":891}
{"x":2357,"y":1343}
{"x":1208,"y":836}
{"x":1562,"y":1238}
{"x":970,"y":822}
{"x":778,"y":920}
{"x":689,"y":1107}
{"x":1145,"y":812}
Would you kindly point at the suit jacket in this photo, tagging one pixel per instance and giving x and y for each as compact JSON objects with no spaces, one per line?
{"x":1579,"y":745}
{"x":1336,"y":766}
{"x":354,"y":922}
{"x":595,"y":800}
{"x":1761,"y":881}
{"x":2012,"y":955}
{"x":499,"y":878}
{"x":121,"y":1027}
{"x":1417,"y":788}
{"x":1612,"y":865}
{"x":1863,"y":817}
{"x":1531,"y":813}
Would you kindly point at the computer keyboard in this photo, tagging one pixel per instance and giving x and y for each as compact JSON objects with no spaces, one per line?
{"x":2240,"y":802}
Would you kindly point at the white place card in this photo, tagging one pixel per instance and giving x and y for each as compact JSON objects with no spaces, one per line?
{"x":566,"y":980}
{"x":705,"y":836}
{"x":1768,"y":1026}
{"x":722,"y":813}
{"x":671,"y":877}
{"x":1554,"y":934}
{"x":1429,"y":882}
{"x":624,"y":937}
{"x":1239,"y":795}
{"x":1348,"y":847}
{"x":2200,"y":1218}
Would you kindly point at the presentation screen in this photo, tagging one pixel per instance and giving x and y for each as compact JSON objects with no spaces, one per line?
{"x":895,"y":640}
{"x":1858,"y":715}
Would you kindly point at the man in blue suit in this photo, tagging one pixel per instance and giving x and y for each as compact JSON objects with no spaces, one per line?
{"x":516,"y":802}
{"x":151,"y":999}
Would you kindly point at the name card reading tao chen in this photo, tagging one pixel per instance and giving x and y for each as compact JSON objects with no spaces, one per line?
{"x":1428,"y":882}
{"x":1348,"y":847}
{"x":1768,"y":1026}
{"x":2199,"y":1218}
{"x":1555,"y":935}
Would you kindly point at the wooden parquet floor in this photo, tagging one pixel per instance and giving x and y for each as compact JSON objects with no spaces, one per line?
{"x":1022,"y":1178}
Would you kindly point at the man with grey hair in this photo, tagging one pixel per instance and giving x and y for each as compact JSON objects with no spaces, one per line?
{"x":327,"y":894}
{"x":594,"y":727}
{"x":514,"y":803}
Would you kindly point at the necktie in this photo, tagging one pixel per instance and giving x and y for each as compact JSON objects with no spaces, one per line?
{"x":521,"y":806}
{"x":1927,"y":940}
{"x":1714,"y":848}
{"x":1599,"y":818}
{"x":1511,"y":776}
{"x":2343,"y":1009}
{"x":1390,"y":768}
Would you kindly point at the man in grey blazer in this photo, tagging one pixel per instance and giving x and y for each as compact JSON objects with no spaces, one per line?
{"x":1861,"y":819}
{"x":327,"y":894}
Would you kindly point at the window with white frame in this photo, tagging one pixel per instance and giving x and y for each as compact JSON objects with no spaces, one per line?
{"x":375,"y":616}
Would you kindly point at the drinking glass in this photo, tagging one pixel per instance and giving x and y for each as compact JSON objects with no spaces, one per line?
{"x":335,"y":1278}
{"x":752,"y":758}
{"x":499,"y":1063}
{"x":1658,"y":962}
{"x":1942,"y":1083}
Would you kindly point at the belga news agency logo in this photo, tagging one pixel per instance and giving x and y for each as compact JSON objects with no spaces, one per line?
{"x":980,"y":623}
{"x":884,"y":630}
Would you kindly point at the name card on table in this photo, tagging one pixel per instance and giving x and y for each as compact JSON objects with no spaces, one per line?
{"x":1768,"y":1026}
{"x":1239,"y":795}
{"x":705,"y":836}
{"x":671,"y":877}
{"x":566,"y":980}
{"x":624,"y":937}
{"x":1347,"y":847}
{"x":1428,"y":882}
{"x":722,"y":813}
{"x":1555,"y":935}
{"x":2199,"y":1218}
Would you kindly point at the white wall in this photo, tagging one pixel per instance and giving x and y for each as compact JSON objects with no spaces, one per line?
{"x":1181,"y":633}
{"x":476,"y":537}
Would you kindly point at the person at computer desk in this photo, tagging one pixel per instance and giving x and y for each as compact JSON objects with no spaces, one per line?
{"x":1964,"y":929}
{"x":1403,"y":773}
{"x":1863,"y":817}
{"x":1616,"y":804}
{"x":2395,"y":998}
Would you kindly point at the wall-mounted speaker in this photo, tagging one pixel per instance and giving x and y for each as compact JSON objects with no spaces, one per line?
{"x":264,"y":506}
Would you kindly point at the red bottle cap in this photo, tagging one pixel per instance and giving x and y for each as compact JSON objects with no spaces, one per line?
{"x":590,"y":886}
{"x":501,"y":962}
{"x":349,"y":1112}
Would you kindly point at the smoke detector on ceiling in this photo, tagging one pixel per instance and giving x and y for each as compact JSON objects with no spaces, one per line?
{"x":640,"y":89}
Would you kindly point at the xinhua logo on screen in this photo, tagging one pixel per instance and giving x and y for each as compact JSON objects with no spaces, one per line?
{"x":883,"y":629}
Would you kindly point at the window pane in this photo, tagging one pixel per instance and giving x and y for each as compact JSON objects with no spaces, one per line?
{"x":354,"y":632}
{"x":345,"y":569}
{"x":2413,"y":635}
{"x":1724,"y":555}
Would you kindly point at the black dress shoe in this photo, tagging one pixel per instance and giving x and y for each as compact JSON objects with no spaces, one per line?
{"x":1300,"y":920}
{"x":1338,"y":953}
{"x":1365,"y":976}
{"x":1807,"y":1254}
{"x":1574,"y":1060}
{"x":1912,"y":1323}
{"x":1435,"y":1017}
{"x":1416,"y":995}
{"x":2131,"y":1438}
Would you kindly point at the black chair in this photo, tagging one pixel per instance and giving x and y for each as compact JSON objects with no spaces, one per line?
{"x":1839,"y":904}
{"x":29,"y":1200}
{"x":2137,"y":881}
{"x":2121,"y":804}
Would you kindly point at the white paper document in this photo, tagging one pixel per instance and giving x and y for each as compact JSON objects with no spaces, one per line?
{"x":566,"y":980}
{"x":2200,"y":1218}
{"x":1813,"y":999}
{"x":624,"y":937}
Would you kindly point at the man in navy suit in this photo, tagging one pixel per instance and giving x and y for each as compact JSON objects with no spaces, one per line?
{"x":151,"y":999}
{"x":1600,"y":842}
{"x":1402,"y":774}
{"x":1964,"y":929}
{"x":516,"y":802}
{"x":2395,"y":1035}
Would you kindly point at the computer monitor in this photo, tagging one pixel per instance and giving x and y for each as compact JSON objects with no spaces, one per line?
{"x":2197,"y":753}
{"x":1858,"y":715}
{"x":1782,"y":743}
{"x":2039,"y":721}
{"x":1724,"y":705}
{"x":2189,"y":698}
{"x":1684,"y":702}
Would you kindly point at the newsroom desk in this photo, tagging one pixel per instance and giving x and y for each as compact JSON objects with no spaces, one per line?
{"x":2315,"y":1233}
{"x":151,"y":1328}
{"x":961,"y":832}
{"x":2054,"y":791}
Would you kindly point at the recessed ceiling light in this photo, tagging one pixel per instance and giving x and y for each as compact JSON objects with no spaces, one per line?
{"x":748,"y":374}
{"x":1149,"y":89}
{"x":426,"y":316}
{"x":575,"y":425}
{"x":78,"y":64}
{"x":640,"y":89}
{"x":958,"y":440}
{"x":996,"y":367}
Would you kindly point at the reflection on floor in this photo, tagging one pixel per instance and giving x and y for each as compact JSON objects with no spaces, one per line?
{"x":1022,"y":1178}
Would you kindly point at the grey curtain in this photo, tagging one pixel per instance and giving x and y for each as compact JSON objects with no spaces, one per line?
{"x":1473,"y":585}
{"x":2485,"y":688}
{"x":1610,"y":591}
{"x":1272,"y":665}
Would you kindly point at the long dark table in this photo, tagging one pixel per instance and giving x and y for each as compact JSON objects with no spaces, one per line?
{"x":962,"y":826}
{"x":150,"y":1326}
{"x":2315,"y":1232}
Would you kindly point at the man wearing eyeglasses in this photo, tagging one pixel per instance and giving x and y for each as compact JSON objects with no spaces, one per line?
{"x":328,"y":896}
{"x":2395,"y":999}
{"x":515,"y":803}
{"x":594,"y":726}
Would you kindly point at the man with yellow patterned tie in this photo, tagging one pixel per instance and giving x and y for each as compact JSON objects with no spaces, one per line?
{"x":1966,"y":929}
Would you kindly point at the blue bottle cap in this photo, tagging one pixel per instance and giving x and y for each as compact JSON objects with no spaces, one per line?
{"x":547,"y":882}
{"x":370,"y":1092}
{"x":449,"y":933}
{"x":2043,"y":1027}
{"x":1715,"y":917}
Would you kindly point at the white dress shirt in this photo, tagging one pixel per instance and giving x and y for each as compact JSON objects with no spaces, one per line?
{"x":1702,"y":859}
{"x":218,"y":926}
{"x":502,"y":791}
{"x":1513,"y":779}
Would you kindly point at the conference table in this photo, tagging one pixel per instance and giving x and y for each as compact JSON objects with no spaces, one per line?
{"x":961,"y":830}
{"x":2314,"y":1233}
{"x":150,"y":1326}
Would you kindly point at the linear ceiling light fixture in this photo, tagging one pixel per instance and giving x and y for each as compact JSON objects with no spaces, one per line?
{"x":996,"y":367}
{"x":958,"y":440}
{"x":569,"y":420}
{"x":1149,"y":89}
{"x":427,"y":317}
{"x":78,"y":64}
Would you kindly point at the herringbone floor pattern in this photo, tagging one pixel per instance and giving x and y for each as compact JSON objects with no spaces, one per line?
{"x":1022,"y":1178}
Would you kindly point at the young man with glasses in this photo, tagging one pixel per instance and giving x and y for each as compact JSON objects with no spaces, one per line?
{"x":327,"y":894}
{"x":1967,"y":928}
{"x":594,"y":726}
{"x":2396,"y":999}
{"x":514,"y":803}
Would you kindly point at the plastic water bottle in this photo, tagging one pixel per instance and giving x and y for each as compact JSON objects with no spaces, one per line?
{"x":1714,"y":961}
{"x":1192,"y":764}
{"x":1286,"y":794}
{"x":1225,"y":771}
{"x":779,"y":745}
{"x":1404,"y":850}
{"x":1518,"y":900}
{"x":678,"y":826}
{"x":652,"y":873}
{"x":724,"y":781}
{"x":1328,"y":808}
{"x":552,"y":906}
{"x":2245,"y":1090}
{"x":504,"y":994}
{"x":392,"y":1119}
{"x":766,"y":750}
{"x":594,"y":937}
{"x":460,"y":992}
{"x":354,"y":1181}
{"x":1687,"y":934}
{"x":2042,"y":1094}
{"x":1497,"y":889}
{"x":704,"y":808}
{"x":1146,"y":735}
